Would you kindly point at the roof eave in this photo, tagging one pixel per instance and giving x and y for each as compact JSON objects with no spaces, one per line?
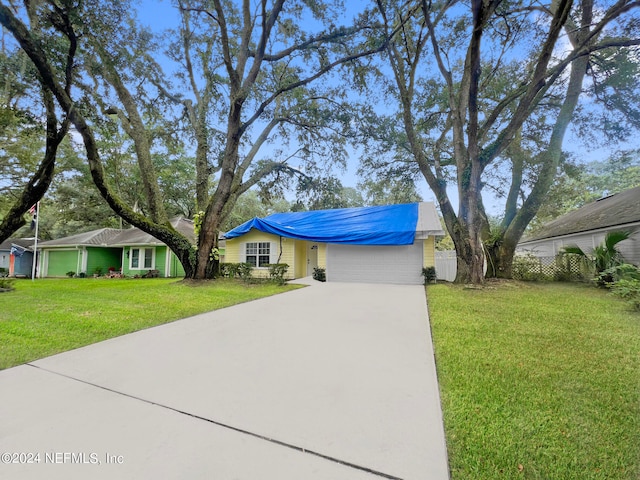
{"x":578,"y":232}
{"x":423,"y":234}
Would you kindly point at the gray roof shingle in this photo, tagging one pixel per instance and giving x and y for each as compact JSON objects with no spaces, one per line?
{"x":135,"y":236}
{"x":26,"y":243}
{"x":100,"y":237}
{"x":113,"y":237}
{"x":616,"y":210}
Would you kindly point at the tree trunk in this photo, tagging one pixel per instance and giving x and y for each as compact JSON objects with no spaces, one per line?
{"x":469,"y":261}
{"x":202,"y":167}
{"x":500,"y":259}
{"x":467,"y":238}
{"x":206,"y":266}
{"x":504,"y":246}
{"x":469,"y":251}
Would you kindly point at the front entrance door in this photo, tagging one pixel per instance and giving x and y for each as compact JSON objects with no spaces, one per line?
{"x":312,"y":258}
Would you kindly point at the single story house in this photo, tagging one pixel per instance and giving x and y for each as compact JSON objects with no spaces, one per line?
{"x":16,"y":257}
{"x":130,"y":251}
{"x":587,"y":227}
{"x":382,"y":244}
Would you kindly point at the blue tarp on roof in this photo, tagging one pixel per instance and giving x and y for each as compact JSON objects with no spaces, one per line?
{"x":385,"y":225}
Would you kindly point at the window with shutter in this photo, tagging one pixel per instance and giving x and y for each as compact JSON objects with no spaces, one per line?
{"x":258,"y":254}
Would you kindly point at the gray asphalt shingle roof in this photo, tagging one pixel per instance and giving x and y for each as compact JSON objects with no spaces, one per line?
{"x":100,"y":237}
{"x":135,"y":236}
{"x":113,"y":237}
{"x":26,"y":243}
{"x":616,"y":210}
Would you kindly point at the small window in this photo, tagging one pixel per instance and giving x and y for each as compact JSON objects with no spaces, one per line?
{"x":141,"y":259}
{"x":148,"y":258}
{"x":258,"y":254}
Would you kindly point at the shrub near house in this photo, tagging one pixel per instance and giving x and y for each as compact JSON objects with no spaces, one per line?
{"x":604,"y":265}
{"x":603,"y":258}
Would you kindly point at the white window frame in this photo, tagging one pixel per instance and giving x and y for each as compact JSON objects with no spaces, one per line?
{"x":142,"y":255}
{"x":259,"y":251}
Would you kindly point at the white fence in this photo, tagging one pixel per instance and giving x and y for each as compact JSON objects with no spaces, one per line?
{"x":446,"y":265}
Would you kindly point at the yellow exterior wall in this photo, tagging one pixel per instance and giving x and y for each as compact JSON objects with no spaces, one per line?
{"x":322,"y":255}
{"x":233,"y":251}
{"x":429,"y":252}
{"x":300,"y":269}
{"x":288,"y":255}
{"x":294,"y":253}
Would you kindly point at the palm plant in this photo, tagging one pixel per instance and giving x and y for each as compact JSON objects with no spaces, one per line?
{"x":604,"y":257}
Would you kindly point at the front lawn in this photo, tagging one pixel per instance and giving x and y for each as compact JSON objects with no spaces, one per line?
{"x":538,"y":381}
{"x":49,"y":316}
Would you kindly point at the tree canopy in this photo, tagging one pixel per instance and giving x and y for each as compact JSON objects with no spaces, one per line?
{"x":485,"y":92}
{"x":30,"y":134}
{"x":247,"y":71}
{"x":265,"y":95}
{"x":577,"y":185}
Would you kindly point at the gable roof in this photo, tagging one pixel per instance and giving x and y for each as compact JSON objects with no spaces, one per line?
{"x":100,"y":237}
{"x":380,"y":225}
{"x":428,"y":221}
{"x":135,"y":236}
{"x":26,"y":243}
{"x":615,"y":210}
{"x":113,"y":237}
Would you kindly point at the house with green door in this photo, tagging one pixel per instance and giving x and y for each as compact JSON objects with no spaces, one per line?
{"x":128,"y":251}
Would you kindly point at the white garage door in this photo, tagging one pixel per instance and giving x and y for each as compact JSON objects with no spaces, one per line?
{"x":375,"y":264}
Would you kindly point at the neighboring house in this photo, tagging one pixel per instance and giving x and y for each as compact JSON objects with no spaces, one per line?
{"x":5,"y":252}
{"x":586,"y":227}
{"x":131,"y":251}
{"x":16,"y":257}
{"x":386,"y":244}
{"x":143,"y":252}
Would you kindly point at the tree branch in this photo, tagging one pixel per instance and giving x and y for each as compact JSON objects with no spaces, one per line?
{"x":327,"y":37}
{"x":135,"y":128}
{"x":267,"y":26}
{"x":164,"y":233}
{"x":40,"y":181}
{"x":261,"y":108}
{"x":224,"y":40}
{"x":186,"y":45}
{"x":536,"y":84}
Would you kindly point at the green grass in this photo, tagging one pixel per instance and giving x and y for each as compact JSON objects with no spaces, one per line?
{"x":49,"y":316}
{"x":538,"y":381}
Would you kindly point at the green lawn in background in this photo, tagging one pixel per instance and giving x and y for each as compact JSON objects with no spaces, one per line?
{"x":49,"y":316}
{"x":538,"y":381}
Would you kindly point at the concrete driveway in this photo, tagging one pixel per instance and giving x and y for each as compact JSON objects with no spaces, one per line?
{"x":332,"y":381}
